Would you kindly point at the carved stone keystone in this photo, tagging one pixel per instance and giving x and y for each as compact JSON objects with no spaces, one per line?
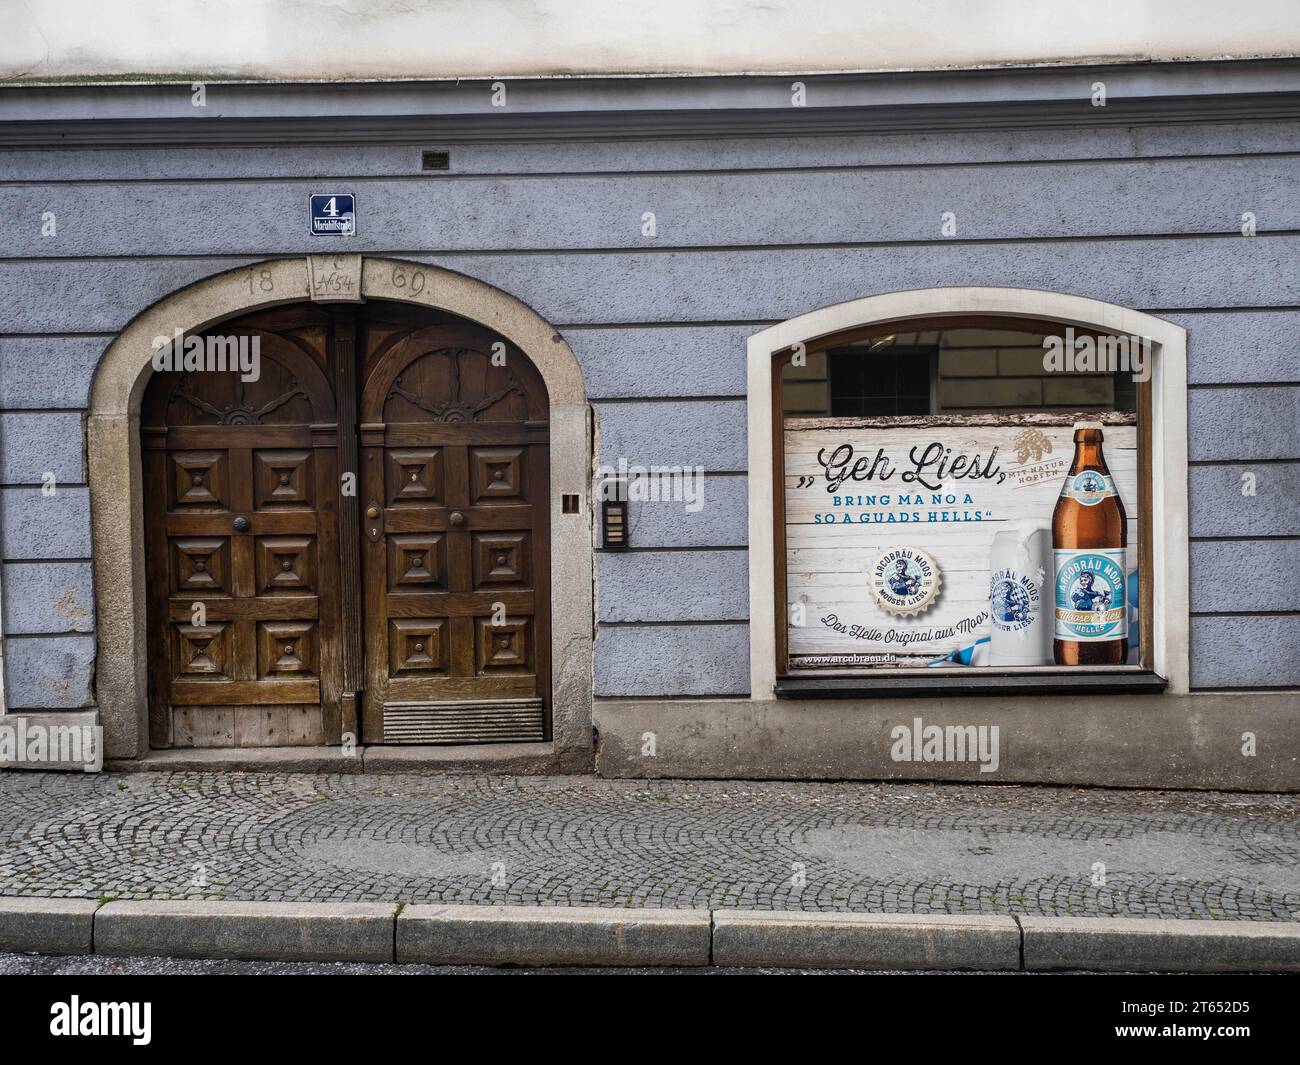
{"x":334,"y":278}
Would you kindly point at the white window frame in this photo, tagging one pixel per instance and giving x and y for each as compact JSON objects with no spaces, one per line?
{"x":1171,"y":627}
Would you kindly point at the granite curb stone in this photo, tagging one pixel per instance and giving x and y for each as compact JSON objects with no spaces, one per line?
{"x":573,"y":935}
{"x":865,"y":940}
{"x":272,"y":931}
{"x":47,"y":926}
{"x":552,"y":935}
{"x":1139,"y":945}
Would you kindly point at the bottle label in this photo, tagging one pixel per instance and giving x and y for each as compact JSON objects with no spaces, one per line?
{"x":1088,"y":487}
{"x":1090,"y":603}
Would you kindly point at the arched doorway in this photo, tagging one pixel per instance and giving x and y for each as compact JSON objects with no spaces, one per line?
{"x":248,"y":482}
{"x":408,"y":322}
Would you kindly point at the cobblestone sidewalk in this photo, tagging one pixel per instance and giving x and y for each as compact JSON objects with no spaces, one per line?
{"x":581,"y":841}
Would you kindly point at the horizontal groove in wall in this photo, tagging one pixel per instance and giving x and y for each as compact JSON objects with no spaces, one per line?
{"x":1219,"y":385}
{"x":247,"y":258}
{"x":668,"y":549}
{"x":45,"y":561}
{"x":716,"y":323}
{"x":670,"y":624}
{"x":32,"y":485}
{"x":55,"y":336}
{"x":1243,"y":462}
{"x":729,"y":323}
{"x":616,"y":400}
{"x":1245,"y":613}
{"x":45,"y":635}
{"x":671,"y":172}
{"x":709,"y":474}
{"x":44,"y":410}
{"x":1242,"y":539}
{"x":1253,"y":309}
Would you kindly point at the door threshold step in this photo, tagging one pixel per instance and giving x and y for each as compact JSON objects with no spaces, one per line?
{"x":524,"y":759}
{"x":520,"y":758}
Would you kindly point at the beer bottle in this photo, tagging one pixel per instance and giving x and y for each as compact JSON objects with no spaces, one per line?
{"x":1089,"y":535}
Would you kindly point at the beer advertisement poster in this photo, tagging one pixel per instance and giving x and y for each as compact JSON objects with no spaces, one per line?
{"x":893,"y":552}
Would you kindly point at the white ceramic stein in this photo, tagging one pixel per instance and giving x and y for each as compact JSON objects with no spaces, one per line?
{"x":1020,"y":582}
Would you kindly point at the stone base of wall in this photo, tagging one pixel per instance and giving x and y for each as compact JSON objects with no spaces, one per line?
{"x":1146,"y":741}
{"x":68,"y":740}
{"x":1199,"y":741}
{"x":504,"y":759}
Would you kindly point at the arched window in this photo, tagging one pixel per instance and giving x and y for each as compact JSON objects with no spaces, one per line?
{"x":907,"y":455}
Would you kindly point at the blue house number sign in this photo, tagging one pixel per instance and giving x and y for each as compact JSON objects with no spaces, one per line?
{"x":334,"y":215}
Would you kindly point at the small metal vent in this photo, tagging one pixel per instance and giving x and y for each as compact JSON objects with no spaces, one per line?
{"x":465,"y":721}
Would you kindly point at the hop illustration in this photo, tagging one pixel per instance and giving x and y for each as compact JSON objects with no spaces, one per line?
{"x":1029,"y":442}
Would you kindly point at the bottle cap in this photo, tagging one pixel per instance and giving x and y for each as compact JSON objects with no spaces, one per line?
{"x":1087,"y":425}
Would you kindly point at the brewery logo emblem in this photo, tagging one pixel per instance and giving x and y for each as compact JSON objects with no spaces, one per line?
{"x":1090,"y":595}
{"x":904,"y":581}
{"x":1089,"y":487}
{"x":1014,"y":601}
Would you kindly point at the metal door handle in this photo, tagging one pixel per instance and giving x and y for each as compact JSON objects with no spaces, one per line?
{"x":372,"y":511}
{"x":242,"y":524}
{"x":457,"y":518}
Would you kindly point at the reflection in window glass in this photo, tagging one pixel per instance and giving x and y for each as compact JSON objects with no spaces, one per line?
{"x":950,"y":371}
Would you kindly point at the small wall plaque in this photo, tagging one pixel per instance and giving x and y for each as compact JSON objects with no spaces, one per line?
{"x":333,"y":214}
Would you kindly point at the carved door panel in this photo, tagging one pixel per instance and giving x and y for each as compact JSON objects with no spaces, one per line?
{"x":241,"y":510}
{"x":455,"y":548}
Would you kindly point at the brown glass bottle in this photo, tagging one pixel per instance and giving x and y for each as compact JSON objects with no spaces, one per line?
{"x":1089,"y":537}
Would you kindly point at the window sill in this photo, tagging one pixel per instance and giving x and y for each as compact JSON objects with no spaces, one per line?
{"x":982,"y":681}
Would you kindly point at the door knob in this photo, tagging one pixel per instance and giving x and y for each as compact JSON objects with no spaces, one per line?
{"x":242,"y":524}
{"x":372,"y":511}
{"x":457,"y":518}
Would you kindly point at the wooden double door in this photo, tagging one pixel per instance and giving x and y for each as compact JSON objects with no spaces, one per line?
{"x":351,"y":541}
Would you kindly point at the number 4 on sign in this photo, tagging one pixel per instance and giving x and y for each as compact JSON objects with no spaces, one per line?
{"x":333,"y":214}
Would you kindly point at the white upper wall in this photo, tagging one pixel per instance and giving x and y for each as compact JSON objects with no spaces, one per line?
{"x":350,"y":39}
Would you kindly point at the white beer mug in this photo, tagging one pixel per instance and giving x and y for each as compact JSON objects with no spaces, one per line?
{"x":1020,"y":608}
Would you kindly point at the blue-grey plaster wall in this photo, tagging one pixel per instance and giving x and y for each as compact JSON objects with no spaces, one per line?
{"x":749,"y":232}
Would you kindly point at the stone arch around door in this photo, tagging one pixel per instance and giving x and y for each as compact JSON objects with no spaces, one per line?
{"x":116,"y":483}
